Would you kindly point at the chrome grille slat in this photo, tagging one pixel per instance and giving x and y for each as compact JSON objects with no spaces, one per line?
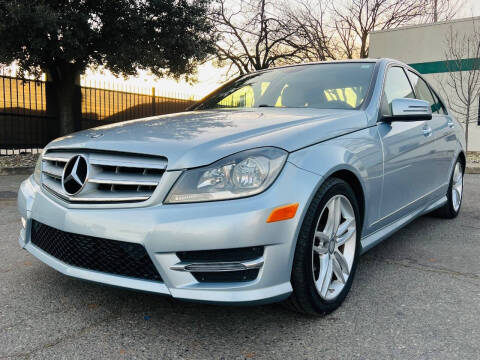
{"x":115,"y":198}
{"x":112,"y":177}
{"x":130,"y":161}
{"x":51,"y":169}
{"x":122,"y":182}
{"x":126,"y":164}
{"x":53,"y":184}
{"x":52,"y":174}
{"x":55,"y":159}
{"x":124,"y":179}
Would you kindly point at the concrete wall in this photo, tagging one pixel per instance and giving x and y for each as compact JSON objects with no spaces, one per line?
{"x":423,"y":44}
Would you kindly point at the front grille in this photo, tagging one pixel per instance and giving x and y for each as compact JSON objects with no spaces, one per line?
{"x":108,"y":256}
{"x":112,"y":177}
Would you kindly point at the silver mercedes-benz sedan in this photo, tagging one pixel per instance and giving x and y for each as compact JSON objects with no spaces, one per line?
{"x":269,"y":189}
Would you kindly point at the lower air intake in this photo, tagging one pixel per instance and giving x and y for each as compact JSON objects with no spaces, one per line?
{"x":222,"y":265}
{"x":227,"y":276}
{"x":92,"y":253}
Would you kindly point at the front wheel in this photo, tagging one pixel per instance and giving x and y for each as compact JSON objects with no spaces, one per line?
{"x":327,"y":250}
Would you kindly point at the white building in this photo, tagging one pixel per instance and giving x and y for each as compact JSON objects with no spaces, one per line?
{"x":424,"y":47}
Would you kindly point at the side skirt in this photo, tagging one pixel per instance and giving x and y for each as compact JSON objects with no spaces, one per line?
{"x":378,"y":236}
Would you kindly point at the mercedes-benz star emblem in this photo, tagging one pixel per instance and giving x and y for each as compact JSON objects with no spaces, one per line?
{"x":75,"y":175}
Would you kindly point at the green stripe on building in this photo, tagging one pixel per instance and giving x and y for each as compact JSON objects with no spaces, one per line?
{"x":435,"y":67}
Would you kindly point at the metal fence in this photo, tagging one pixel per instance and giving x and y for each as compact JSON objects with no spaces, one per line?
{"x":107,"y":105}
{"x":25,"y":123}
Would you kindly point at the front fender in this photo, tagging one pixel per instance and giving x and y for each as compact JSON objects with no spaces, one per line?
{"x":360,"y":153}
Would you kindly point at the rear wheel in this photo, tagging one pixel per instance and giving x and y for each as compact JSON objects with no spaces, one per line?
{"x":327,"y":250}
{"x":454,"y":195}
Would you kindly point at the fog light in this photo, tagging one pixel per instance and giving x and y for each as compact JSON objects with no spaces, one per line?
{"x":24,"y":222}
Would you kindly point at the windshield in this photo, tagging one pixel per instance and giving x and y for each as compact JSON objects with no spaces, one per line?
{"x":322,"y":86}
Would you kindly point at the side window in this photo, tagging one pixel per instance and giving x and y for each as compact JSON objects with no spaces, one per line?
{"x":396,"y":86}
{"x":422,"y":91}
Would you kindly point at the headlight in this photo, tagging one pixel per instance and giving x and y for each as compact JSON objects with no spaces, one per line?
{"x":37,"y":174}
{"x":239,"y":175}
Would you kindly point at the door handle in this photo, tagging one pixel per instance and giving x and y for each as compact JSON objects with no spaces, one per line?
{"x":427,"y":131}
{"x":450,"y":123}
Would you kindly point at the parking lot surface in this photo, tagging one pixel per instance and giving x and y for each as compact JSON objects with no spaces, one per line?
{"x":415,"y":296}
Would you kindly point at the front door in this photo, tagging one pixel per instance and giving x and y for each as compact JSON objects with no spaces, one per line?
{"x":405,"y":152}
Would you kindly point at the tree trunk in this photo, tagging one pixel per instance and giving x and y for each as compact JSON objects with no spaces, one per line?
{"x":65,"y":79}
{"x":364,"y":47}
{"x":466,"y":127}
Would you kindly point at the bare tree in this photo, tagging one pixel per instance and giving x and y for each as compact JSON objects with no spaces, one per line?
{"x":365,"y":16}
{"x":321,"y":34}
{"x":315,"y":36}
{"x":441,"y":10}
{"x":257,"y":34}
{"x":252,"y":36}
{"x":461,"y":87}
{"x":347,"y":42}
{"x":336,"y":29}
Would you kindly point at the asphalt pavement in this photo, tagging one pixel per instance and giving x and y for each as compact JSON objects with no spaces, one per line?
{"x":415,"y":296}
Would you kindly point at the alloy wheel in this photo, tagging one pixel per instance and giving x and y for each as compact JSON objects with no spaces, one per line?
{"x":457,"y":186}
{"x":333,"y":249}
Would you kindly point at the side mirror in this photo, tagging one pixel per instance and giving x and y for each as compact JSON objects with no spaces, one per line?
{"x":405,"y":109}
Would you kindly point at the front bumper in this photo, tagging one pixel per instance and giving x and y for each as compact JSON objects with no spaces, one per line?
{"x":165,"y":230}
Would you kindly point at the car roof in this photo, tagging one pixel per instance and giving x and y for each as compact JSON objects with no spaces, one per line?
{"x":365,"y":60}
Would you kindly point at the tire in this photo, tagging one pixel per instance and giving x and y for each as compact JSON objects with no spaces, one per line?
{"x":451,"y":209}
{"x":310,"y":294}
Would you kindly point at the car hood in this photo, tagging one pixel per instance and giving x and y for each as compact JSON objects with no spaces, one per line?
{"x":197,"y":138}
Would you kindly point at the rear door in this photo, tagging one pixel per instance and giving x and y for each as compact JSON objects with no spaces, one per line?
{"x":406,"y":167}
{"x":441,"y":145}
